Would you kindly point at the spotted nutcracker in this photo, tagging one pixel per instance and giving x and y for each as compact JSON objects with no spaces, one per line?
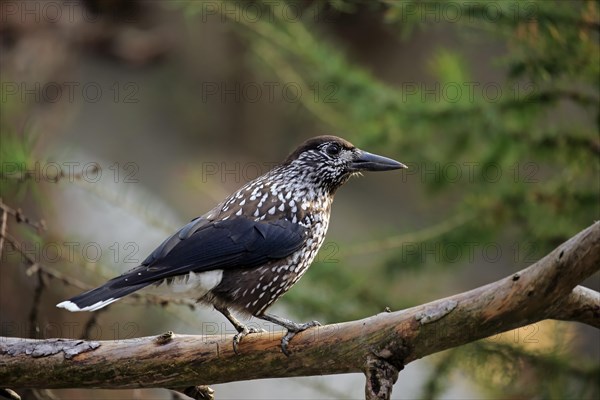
{"x":250,"y":249}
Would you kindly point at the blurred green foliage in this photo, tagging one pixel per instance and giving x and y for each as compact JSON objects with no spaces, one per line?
{"x":531,"y":137}
{"x":535,"y":166}
{"x":551,"y":59}
{"x":17,"y":159}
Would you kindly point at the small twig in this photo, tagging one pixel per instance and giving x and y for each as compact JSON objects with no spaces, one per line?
{"x":35,"y":306}
{"x":91,"y":322}
{"x":60,"y":175}
{"x":22,"y":218}
{"x":3,"y":223}
{"x":34,"y":266}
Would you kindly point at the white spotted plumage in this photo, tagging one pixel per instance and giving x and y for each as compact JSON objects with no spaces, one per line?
{"x":297,"y":194}
{"x":255,"y":263}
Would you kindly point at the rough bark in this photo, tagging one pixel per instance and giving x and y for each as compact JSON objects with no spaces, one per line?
{"x":379,"y":346}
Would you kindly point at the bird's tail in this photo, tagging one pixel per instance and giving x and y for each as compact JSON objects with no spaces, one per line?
{"x":100,"y":297}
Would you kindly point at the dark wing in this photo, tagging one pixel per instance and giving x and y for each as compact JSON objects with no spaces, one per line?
{"x":204,"y":245}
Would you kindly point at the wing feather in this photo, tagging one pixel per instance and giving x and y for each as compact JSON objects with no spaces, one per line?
{"x":204,"y":245}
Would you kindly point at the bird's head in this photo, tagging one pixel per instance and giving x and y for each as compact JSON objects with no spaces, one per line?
{"x":329,"y":161}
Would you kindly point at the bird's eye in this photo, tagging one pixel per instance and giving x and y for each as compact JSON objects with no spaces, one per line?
{"x":333,"y":149}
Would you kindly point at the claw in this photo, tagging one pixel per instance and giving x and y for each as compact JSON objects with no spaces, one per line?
{"x":242,"y":329}
{"x":285,"y":340}
{"x":241,"y":334}
{"x":292,"y":328}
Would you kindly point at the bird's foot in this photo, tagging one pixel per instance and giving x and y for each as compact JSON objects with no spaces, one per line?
{"x":292,"y":331}
{"x":242,"y":329}
{"x":292,"y":328}
{"x":241,"y":334}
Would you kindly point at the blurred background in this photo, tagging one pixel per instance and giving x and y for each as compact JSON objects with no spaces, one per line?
{"x":120,"y":121}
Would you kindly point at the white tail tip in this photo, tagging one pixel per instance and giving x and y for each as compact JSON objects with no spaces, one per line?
{"x":69,"y":305}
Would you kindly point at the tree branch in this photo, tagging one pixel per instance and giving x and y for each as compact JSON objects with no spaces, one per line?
{"x":582,"y":305}
{"x":379,"y":346}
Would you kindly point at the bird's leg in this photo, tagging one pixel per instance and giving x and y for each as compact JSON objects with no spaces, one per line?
{"x":242,"y":329}
{"x":234,"y":321}
{"x":292,"y":329}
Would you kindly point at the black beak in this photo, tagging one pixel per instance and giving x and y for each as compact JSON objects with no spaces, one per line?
{"x":372,"y":162}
